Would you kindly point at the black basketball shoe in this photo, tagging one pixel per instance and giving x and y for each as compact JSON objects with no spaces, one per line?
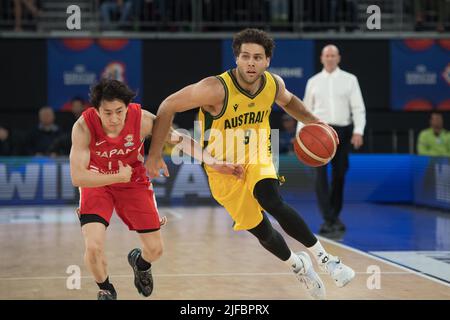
{"x":143,"y":280}
{"x":107,"y":295}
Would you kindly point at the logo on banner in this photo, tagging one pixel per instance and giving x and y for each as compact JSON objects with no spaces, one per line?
{"x":286,"y":72}
{"x":114,"y":70}
{"x":79,"y":76}
{"x":421,"y":76}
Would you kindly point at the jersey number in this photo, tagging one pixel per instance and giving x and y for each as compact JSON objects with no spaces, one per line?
{"x":247,"y":136}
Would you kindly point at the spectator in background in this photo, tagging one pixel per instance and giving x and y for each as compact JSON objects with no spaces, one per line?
{"x":30,"y":5}
{"x":70,"y":112}
{"x":334,"y":96}
{"x":77,"y":107}
{"x":42,"y":137}
{"x":279,"y":10}
{"x":123,"y":8}
{"x":434,"y":12}
{"x":61,"y":145}
{"x":344,"y":12}
{"x":287,"y":134}
{"x":6,"y":145}
{"x":434,"y":141}
{"x":333,"y":15}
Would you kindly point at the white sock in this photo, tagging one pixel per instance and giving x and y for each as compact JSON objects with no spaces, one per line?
{"x":318,"y":251}
{"x":294,"y":262}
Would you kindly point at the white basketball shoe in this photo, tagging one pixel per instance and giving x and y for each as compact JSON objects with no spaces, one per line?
{"x":339,"y":272}
{"x":309,"y":278}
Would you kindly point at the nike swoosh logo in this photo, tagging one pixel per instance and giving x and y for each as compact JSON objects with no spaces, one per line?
{"x":99,"y":143}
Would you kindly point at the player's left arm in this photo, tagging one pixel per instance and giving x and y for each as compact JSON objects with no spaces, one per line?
{"x":292,"y":104}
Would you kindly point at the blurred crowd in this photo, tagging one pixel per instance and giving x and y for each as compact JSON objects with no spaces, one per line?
{"x":46,"y":137}
{"x":229,"y":15}
{"x":51,"y":138}
{"x":51,"y":135}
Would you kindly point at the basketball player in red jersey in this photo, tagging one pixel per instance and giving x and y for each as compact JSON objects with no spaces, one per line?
{"x":106,"y":163}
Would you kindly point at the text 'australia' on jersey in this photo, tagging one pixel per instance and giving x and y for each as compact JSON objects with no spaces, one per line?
{"x":241,"y":132}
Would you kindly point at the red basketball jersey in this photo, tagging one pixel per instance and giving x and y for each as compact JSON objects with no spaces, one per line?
{"x":126,"y":147}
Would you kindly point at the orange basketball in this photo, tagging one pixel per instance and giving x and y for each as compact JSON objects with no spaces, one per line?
{"x":316,"y":144}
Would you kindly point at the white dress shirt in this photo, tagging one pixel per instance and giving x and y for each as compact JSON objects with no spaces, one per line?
{"x":335,"y":98}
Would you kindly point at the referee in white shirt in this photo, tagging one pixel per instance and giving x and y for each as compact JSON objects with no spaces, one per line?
{"x":334,"y":96}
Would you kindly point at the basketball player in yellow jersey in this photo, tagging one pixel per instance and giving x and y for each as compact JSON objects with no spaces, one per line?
{"x":241,"y":99}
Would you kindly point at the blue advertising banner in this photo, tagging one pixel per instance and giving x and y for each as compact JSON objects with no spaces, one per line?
{"x":420,"y":74}
{"x":75,"y":64}
{"x":47,"y":181}
{"x":374,"y":178}
{"x":432,"y":181}
{"x":292,"y":60}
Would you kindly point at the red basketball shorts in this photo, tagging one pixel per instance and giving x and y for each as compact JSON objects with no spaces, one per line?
{"x":135,"y":205}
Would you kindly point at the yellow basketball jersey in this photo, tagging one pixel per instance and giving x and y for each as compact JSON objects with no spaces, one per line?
{"x":241,"y":132}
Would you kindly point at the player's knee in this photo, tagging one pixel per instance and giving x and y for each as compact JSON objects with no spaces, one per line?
{"x":153,"y":252}
{"x":267,"y":194}
{"x":94,"y":250}
{"x":270,"y":203}
{"x":264,"y":231}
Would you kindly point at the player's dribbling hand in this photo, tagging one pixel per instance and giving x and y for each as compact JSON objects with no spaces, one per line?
{"x":125,"y":172}
{"x":154,"y":167}
{"x":227,"y":168}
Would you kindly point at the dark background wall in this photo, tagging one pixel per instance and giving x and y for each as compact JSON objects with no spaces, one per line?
{"x":23,"y":70}
{"x":182,"y":62}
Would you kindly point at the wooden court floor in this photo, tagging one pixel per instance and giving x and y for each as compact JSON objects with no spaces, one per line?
{"x":203,"y":259}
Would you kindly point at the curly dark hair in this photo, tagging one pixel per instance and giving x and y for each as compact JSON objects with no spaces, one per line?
{"x":253,"y":36}
{"x":110,"y":90}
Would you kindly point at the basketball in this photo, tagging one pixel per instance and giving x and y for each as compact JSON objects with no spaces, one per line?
{"x":316,"y":144}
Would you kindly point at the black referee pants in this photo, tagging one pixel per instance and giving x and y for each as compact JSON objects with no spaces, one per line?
{"x":331,"y":197}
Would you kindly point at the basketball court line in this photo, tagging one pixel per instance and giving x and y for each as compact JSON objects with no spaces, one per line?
{"x":180,"y":275}
{"x":407,"y":271}
{"x":419,"y":261}
{"x":372,"y":256}
{"x":177,"y":215}
{"x":58,"y":214}
{"x":369,"y":255}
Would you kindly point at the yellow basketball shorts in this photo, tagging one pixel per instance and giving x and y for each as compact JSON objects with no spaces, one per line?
{"x":236,"y":195}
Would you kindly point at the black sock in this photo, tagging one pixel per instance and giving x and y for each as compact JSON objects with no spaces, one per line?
{"x":142,"y":265}
{"x":106,"y":285}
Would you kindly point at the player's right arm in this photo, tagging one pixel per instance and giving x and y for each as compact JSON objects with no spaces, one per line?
{"x":79,"y":162}
{"x":208,"y":93}
{"x":292,"y":104}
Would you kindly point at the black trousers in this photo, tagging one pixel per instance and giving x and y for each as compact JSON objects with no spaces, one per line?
{"x":330,"y":198}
